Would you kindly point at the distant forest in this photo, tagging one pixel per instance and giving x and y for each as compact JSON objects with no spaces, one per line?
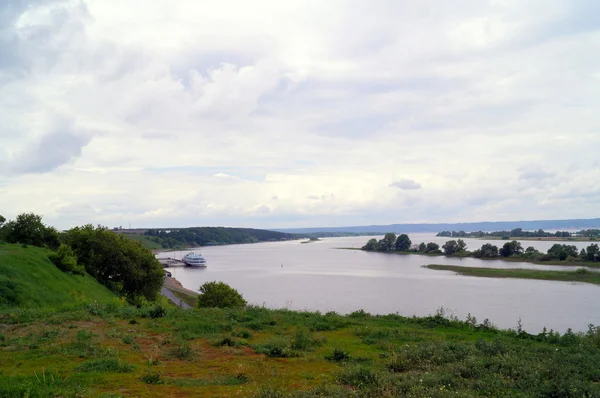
{"x":211,"y":236}
{"x":520,"y":233}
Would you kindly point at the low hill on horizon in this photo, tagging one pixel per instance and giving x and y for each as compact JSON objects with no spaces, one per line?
{"x":486,"y":226}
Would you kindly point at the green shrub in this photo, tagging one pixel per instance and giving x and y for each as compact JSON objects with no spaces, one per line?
{"x":113,"y":365}
{"x":303,"y":340}
{"x":359,"y":376}
{"x":219,"y":294}
{"x":278,"y":347}
{"x":65,"y":260}
{"x":338,"y":355}
{"x":151,"y":377}
{"x":182,"y":351}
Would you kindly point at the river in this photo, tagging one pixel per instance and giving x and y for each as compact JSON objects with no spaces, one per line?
{"x":317,"y":276}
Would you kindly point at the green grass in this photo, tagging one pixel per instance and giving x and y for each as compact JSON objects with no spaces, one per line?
{"x":190,"y":299}
{"x":194,"y":353}
{"x":29,"y":279}
{"x":579,"y":275}
{"x":147,"y":241}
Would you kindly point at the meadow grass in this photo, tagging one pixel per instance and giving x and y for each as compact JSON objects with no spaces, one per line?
{"x":212,"y":352}
{"x":579,"y":275}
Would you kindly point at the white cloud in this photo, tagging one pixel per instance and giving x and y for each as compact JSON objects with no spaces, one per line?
{"x":293,"y":113}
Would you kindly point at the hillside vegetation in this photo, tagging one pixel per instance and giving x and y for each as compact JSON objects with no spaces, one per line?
{"x":29,"y":279}
{"x":206,"y":236}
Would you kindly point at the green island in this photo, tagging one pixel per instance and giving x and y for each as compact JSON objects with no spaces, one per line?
{"x":578,"y":275}
{"x":520,"y":234}
{"x":558,"y":254}
{"x":80,"y":316}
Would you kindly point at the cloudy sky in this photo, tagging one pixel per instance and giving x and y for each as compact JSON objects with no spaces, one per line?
{"x":299,"y":113}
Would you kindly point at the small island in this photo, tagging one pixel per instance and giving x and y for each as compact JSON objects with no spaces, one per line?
{"x":560,"y":254}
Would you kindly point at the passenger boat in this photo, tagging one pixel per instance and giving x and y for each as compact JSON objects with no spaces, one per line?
{"x":194,"y":260}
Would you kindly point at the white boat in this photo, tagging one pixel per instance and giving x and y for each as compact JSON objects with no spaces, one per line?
{"x":194,"y":260}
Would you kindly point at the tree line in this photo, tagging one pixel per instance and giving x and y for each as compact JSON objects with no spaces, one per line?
{"x":210,"y":236}
{"x":561,"y":252}
{"x":121,"y":264}
{"x":520,"y":233}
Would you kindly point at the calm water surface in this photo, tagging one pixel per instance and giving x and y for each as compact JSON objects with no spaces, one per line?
{"x":316,"y":276}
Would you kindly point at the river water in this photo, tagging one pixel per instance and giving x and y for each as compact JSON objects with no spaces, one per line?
{"x":318,"y":276}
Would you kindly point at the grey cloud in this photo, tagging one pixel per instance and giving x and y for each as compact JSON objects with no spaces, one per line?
{"x":406,"y":184}
{"x":535,"y":174}
{"x":53,"y":150}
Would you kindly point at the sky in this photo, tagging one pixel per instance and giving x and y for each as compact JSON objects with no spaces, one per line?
{"x":282,"y":114}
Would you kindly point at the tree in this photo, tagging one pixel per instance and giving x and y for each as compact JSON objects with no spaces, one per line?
{"x":403,"y":243}
{"x":65,"y":260}
{"x":511,"y":249}
{"x":486,"y":251}
{"x":422,"y":247}
{"x":432,"y":248}
{"x":450,"y":247}
{"x":462,"y":246}
{"x":388,"y":242}
{"x":29,"y":229}
{"x":2,"y":220}
{"x":219,"y":294}
{"x":371,"y":245}
{"x":592,"y":252}
{"x":121,"y":264}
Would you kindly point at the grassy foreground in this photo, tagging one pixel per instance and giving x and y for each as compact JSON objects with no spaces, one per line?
{"x":579,"y":275}
{"x":112,"y":350}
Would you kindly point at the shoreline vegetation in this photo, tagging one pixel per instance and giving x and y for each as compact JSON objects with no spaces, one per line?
{"x":520,"y":234}
{"x":579,"y":275}
{"x":558,"y":254}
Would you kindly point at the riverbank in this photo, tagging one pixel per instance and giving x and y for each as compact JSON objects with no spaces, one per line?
{"x":183,"y":295}
{"x":579,"y":275}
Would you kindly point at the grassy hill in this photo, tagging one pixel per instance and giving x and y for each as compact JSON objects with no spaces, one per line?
{"x":29,"y":279}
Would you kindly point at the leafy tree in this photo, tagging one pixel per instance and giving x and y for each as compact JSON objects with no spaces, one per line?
{"x":29,"y":229}
{"x":486,"y":251}
{"x":219,"y":294}
{"x":388,"y":242}
{"x":422,"y":247}
{"x":371,"y":245}
{"x":511,"y":249}
{"x":461,"y":245}
{"x":432,"y":247}
{"x":65,"y":260}
{"x":403,"y":243}
{"x":121,"y":264}
{"x":562,"y":252}
{"x":2,"y":220}
{"x":592,"y":252}
{"x":450,"y":247}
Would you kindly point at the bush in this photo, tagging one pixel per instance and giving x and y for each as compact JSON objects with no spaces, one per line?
{"x":219,"y":294}
{"x":338,"y":355}
{"x":65,"y":260}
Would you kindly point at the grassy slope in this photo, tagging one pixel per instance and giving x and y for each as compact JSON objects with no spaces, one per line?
{"x":567,"y":276}
{"x":145,"y":240}
{"x":29,"y":279}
